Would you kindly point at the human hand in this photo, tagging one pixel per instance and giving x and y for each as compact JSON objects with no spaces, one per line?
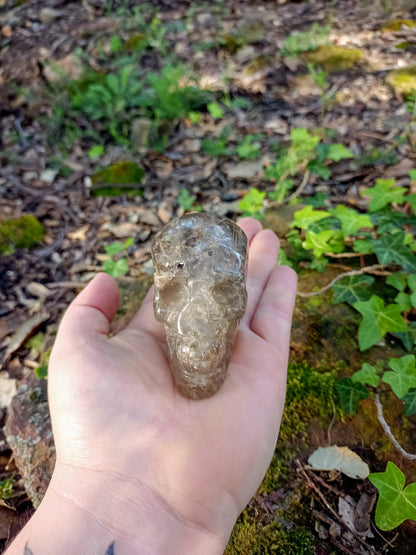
{"x":122,"y":428}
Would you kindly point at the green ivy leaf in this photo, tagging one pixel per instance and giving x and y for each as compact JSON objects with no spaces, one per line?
{"x":391,"y":249}
{"x":403,"y":376}
{"x":318,"y":242}
{"x":364,"y":246}
{"x":389,"y":220}
{"x":403,"y":300}
{"x":367,"y":374}
{"x":215,"y":110}
{"x":338,"y":152}
{"x":411,"y":280}
{"x":317,"y":167}
{"x":410,"y":402}
{"x":383,"y":193}
{"x":351,"y":393}
{"x":378,"y":319}
{"x":307,"y":216}
{"x":395,"y":503}
{"x":116,"y":268}
{"x":351,"y":220}
{"x":412,"y":200}
{"x":252,"y":203}
{"x":352,"y":289}
{"x":397,"y":280}
{"x":413,"y":299}
{"x":185,"y":199}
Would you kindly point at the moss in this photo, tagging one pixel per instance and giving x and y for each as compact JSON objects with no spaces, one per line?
{"x":402,"y":80}
{"x":397,"y":25}
{"x":135,"y":42}
{"x":250,"y":538}
{"x":334,"y":58}
{"x":309,"y":396}
{"x":23,"y":232}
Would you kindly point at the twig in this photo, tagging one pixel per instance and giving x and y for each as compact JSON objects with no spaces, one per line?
{"x":313,"y":486}
{"x":366,"y":269}
{"x":301,"y":187}
{"x":388,"y":431}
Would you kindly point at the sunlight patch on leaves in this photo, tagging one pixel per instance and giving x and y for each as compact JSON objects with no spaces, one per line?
{"x":383,"y":193}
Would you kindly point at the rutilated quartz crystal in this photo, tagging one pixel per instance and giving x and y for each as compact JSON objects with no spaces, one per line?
{"x":200,"y":265}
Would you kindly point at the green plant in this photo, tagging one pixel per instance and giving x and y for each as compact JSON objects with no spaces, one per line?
{"x":248,"y":149}
{"x":252,"y":203}
{"x":306,"y":154}
{"x":396,"y":503}
{"x":6,"y":488}
{"x":217,"y":146}
{"x":303,"y":41}
{"x":387,"y":237}
{"x":186,"y":200}
{"x":114,"y":265}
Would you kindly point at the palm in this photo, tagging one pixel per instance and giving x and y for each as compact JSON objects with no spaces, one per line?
{"x":125,"y":408}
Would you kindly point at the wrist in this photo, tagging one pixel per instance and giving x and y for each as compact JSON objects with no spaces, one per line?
{"x":91,"y":514}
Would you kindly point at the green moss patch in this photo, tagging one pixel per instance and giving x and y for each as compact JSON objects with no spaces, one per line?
{"x":403,"y":80}
{"x":23,"y":232}
{"x":333,"y":58}
{"x":397,"y":25}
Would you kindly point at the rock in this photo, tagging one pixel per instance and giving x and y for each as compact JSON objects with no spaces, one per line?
{"x":244,"y":170}
{"x":165,"y":211}
{"x":60,"y":70}
{"x":29,"y":434}
{"x":139,"y":132}
{"x":333,"y":58}
{"x":47,"y":15}
{"x":279,"y":218}
{"x":402,"y":80}
{"x":397,"y":25}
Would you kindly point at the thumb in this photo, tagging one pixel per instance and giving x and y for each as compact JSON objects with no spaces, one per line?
{"x":92,"y":311}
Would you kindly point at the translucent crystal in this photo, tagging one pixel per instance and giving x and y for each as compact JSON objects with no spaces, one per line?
{"x":200,"y":265}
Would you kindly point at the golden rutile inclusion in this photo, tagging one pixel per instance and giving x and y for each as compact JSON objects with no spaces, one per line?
{"x":200,"y":266}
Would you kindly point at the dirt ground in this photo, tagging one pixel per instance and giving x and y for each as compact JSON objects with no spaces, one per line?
{"x":37,"y":177}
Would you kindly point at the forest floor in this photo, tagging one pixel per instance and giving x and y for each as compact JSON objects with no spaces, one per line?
{"x":55,"y":136}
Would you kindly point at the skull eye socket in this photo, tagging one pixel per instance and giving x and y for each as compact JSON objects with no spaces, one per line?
{"x":231,"y":295}
{"x":226,"y":292}
{"x":172,"y":293}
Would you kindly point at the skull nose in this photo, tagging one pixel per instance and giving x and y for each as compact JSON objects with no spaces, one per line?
{"x":199,"y":317}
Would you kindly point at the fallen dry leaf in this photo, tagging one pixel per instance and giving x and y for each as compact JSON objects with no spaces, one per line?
{"x":339,"y":458}
{"x":23,"y":333}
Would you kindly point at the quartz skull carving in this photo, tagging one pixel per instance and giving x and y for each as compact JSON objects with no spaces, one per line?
{"x":200,"y":267}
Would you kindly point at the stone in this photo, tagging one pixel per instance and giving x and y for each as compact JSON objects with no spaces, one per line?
{"x":333,"y":58}
{"x":200,"y":268}
{"x":28,"y":432}
{"x":402,"y":80}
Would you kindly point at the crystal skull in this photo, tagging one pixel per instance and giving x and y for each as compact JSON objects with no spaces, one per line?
{"x":200,"y":265}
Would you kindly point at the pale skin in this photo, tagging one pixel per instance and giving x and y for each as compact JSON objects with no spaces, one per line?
{"x":141,"y":469}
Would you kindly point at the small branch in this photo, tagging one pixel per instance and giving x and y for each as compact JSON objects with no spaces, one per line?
{"x":365,"y":270}
{"x":301,"y":187}
{"x":388,"y":431}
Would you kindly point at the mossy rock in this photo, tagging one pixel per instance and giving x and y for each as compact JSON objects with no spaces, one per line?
{"x":397,"y":25}
{"x":135,"y":42}
{"x":23,"y":232}
{"x":249,"y":32}
{"x":403,"y":80}
{"x":333,"y":58}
